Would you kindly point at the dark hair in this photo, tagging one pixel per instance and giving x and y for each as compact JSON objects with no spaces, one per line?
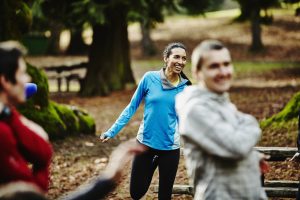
{"x":169,"y":47}
{"x":206,"y":45}
{"x":10,"y":53}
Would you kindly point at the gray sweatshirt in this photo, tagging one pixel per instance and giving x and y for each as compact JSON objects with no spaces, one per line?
{"x":218,"y":146}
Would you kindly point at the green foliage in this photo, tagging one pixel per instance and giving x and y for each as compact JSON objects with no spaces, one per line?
{"x":23,"y":17}
{"x":86,"y":11}
{"x":247,"y":7}
{"x":40,"y":22}
{"x":15,"y":19}
{"x":152,"y":11}
{"x":76,"y":13}
{"x":289,"y":112}
{"x":195,"y":7}
{"x":291,"y":1}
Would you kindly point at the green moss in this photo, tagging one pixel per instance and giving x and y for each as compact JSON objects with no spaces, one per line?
{"x":57,"y":120}
{"x":281,"y":128}
{"x":48,"y":118}
{"x":280,"y":134}
{"x":39,"y":77}
{"x":86,"y":122}
{"x":69,"y":118}
{"x":289,"y":112}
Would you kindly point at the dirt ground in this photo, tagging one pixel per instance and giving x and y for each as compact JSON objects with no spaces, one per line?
{"x":78,"y":160}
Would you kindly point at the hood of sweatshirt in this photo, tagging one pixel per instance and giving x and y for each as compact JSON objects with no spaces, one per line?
{"x":167,"y":85}
{"x":201,"y":94}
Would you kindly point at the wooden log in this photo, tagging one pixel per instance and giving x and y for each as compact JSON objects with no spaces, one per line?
{"x":281,"y":183}
{"x":282,"y":192}
{"x":178,"y":189}
{"x":278,"y":153}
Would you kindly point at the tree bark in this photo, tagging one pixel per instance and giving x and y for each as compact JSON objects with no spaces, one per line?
{"x":56,"y":30}
{"x":4,"y":20}
{"x":245,"y":7}
{"x":109,"y":59}
{"x":77,"y":45}
{"x":148,"y":47}
{"x":257,"y":44}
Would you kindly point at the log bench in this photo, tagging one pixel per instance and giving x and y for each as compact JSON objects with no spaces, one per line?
{"x":273,"y":188}
{"x":66,"y":73}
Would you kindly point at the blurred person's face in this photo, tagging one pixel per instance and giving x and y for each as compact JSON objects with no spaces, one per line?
{"x":16,"y":91}
{"x":216,"y":70}
{"x":176,"y":60}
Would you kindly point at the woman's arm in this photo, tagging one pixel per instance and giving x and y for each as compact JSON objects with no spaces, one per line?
{"x":129,"y":111}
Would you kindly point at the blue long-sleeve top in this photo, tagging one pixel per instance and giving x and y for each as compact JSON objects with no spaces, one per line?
{"x":159,"y":128}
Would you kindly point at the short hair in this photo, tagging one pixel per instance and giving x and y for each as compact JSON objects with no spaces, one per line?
{"x":169,"y":47}
{"x":10,"y":53}
{"x":198,"y":52}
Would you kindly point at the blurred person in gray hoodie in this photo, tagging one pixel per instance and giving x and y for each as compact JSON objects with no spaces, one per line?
{"x":218,"y":139}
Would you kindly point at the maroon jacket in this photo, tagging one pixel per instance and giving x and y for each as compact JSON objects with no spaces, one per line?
{"x":24,"y":156}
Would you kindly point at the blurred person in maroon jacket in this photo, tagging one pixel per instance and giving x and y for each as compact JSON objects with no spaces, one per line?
{"x":98,"y":189}
{"x":25,"y":150}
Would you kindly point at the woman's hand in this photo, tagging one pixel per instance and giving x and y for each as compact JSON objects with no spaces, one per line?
{"x":104,"y":138}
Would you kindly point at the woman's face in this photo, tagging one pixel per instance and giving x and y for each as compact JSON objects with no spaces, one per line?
{"x":176,"y":60}
{"x":216,"y":70}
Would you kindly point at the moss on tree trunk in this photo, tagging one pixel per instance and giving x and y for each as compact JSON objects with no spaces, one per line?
{"x":58,"y":120}
{"x":289,"y":112}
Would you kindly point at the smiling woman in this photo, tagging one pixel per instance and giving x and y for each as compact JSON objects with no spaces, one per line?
{"x":174,"y":64}
{"x":158,"y":130}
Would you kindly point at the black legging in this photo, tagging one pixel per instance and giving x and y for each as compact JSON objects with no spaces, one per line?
{"x":298,"y":193}
{"x":143,"y":167}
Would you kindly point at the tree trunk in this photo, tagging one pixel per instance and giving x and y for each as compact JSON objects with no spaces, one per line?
{"x":4,"y":20}
{"x":245,"y":7}
{"x":148,"y":47}
{"x":56,"y":30}
{"x":77,"y":45}
{"x":257,"y":44}
{"x":109,"y":60}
